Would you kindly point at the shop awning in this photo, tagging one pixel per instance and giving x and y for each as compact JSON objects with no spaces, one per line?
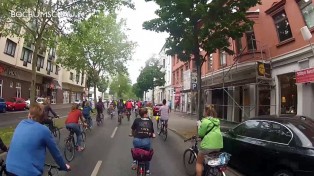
{"x":55,"y":84}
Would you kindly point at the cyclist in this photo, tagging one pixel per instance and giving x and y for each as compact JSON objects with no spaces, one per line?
{"x":129,"y":106}
{"x":100,"y":107}
{"x":27,"y":153}
{"x":209,"y":131}
{"x":121,"y":107}
{"x":150,"y":110}
{"x":72,"y":122}
{"x":86,"y":113}
{"x":3,"y":147}
{"x":142,"y":130}
{"x":164,"y":113}
{"x":47,"y":109}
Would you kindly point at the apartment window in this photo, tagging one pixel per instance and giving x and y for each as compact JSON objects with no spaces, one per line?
{"x":210,"y":61}
{"x":82,"y":80}
{"x":10,"y":47}
{"x":164,"y":63}
{"x":28,"y":43}
{"x":77,"y":78}
{"x":26,"y":56}
{"x":71,"y":76}
{"x":238,"y":45}
{"x":307,"y":9}
{"x":49,"y":66}
{"x":42,"y":50}
{"x":52,"y":53}
{"x":40,"y":62}
{"x":18,"y":90}
{"x":282,"y":26}
{"x":1,"y":81}
{"x":250,"y":40}
{"x":57,"y":70}
{"x":181,"y":74}
{"x":223,"y":58}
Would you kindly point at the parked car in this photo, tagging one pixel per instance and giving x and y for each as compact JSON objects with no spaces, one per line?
{"x":28,"y":103}
{"x":156,"y":109}
{"x":3,"y":106}
{"x":16,"y":104}
{"x":78,"y":102}
{"x":40,"y":100}
{"x":272,"y":145}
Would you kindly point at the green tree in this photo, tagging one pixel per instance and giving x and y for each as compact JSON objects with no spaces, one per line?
{"x":200,"y":24}
{"x":39,"y":22}
{"x":103,"y":85}
{"x":138,"y":92}
{"x":97,"y":46}
{"x":119,"y":85}
{"x":151,"y":76}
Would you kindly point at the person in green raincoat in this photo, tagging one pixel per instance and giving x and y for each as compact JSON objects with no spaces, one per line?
{"x":212,"y":140}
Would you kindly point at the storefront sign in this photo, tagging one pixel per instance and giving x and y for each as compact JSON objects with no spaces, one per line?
{"x":305,"y":76}
{"x":263,"y":69}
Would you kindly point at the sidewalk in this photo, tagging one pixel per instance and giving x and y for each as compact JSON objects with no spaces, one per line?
{"x":184,"y":125}
{"x":61,"y":106}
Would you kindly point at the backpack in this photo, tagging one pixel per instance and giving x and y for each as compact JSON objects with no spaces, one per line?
{"x":120,"y":105}
{"x":99,"y":105}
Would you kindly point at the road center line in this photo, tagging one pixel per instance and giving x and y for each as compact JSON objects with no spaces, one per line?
{"x":96,"y":169}
{"x":114,"y":132}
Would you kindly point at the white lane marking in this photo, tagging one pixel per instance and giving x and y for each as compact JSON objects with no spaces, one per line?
{"x":114,"y":132}
{"x":96,"y":169}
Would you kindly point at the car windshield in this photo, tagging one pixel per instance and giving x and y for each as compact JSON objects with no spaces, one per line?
{"x":305,"y":133}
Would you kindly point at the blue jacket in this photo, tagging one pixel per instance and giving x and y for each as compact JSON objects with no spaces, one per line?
{"x":27,"y":153}
{"x":86,"y":111}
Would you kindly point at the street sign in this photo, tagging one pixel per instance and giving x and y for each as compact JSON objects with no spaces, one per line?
{"x":194,"y":86}
{"x":194,"y":77}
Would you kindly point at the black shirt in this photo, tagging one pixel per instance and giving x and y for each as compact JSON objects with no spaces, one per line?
{"x":2,"y":146}
{"x":143,"y":128}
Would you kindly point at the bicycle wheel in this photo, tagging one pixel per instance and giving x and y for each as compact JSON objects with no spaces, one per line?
{"x":141,"y":171}
{"x":165,"y":134}
{"x":189,"y":161}
{"x":158,"y":124}
{"x":56,"y":134}
{"x":83,"y":142}
{"x":69,"y":150}
{"x":119,"y":119}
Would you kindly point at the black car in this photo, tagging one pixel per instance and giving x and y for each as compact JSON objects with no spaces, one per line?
{"x":272,"y":146}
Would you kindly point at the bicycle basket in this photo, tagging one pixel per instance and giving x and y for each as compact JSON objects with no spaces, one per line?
{"x":217,"y":160}
{"x":141,"y":154}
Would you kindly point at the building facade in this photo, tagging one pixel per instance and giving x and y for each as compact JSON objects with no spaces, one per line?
{"x":15,"y":73}
{"x":260,"y":79}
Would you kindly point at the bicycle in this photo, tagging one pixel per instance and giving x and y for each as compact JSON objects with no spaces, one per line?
{"x":55,"y":131}
{"x":100,"y":119}
{"x":51,"y":167}
{"x":163,"y":130}
{"x":141,"y":156}
{"x":214,"y":163}
{"x":71,"y":145}
{"x":128,"y":114}
{"x":120,"y":117}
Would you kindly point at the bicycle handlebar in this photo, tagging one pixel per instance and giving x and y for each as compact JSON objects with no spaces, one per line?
{"x":54,"y":167}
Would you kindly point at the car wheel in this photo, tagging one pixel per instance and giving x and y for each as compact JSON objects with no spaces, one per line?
{"x":283,"y":173}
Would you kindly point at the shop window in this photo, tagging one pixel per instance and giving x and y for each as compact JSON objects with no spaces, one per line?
{"x":282,"y":26}
{"x":289,"y":94}
{"x":250,"y":40}
{"x":307,"y":9}
{"x":26,"y":56}
{"x":10,"y":47}
{"x":18,"y":90}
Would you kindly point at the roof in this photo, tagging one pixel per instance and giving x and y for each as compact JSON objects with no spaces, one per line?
{"x":285,"y":118}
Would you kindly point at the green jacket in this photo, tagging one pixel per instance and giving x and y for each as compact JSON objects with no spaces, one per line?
{"x":213,"y":140}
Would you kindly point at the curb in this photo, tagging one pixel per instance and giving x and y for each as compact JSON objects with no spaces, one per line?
{"x":177,"y":133}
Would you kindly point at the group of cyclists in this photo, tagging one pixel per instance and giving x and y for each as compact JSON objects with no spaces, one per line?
{"x":27,"y":152}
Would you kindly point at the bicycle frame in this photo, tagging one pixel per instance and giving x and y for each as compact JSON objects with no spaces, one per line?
{"x":141,"y":170}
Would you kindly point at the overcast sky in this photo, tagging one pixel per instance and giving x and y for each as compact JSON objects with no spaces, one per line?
{"x":148,"y":42}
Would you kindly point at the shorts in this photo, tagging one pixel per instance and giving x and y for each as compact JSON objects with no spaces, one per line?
{"x":208,"y":151}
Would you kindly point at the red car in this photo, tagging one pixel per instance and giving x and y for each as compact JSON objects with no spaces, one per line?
{"x":16,"y":104}
{"x":156,"y":109}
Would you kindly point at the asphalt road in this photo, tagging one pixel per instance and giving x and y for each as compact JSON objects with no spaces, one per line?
{"x":110,"y":148}
{"x":13,"y":118}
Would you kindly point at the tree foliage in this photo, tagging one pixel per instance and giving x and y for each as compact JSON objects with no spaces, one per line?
{"x":150,"y":76}
{"x":120,"y":85}
{"x":103,"y":84}
{"x":137,"y":91}
{"x":41,"y":21}
{"x":200,"y":24}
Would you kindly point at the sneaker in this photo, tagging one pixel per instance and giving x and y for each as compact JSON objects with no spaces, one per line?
{"x":134,"y":165}
{"x":79,"y":149}
{"x":147,"y":172}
